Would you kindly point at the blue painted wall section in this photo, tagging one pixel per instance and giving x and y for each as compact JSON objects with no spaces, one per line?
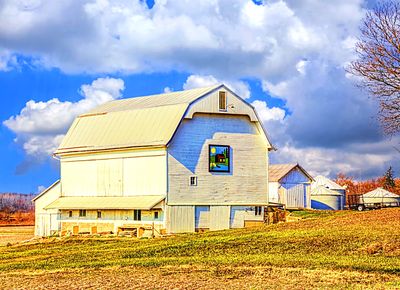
{"x":202,"y":127}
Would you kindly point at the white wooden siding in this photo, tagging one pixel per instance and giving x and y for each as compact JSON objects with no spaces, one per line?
{"x":46,"y":220}
{"x":109,"y":177}
{"x":115,"y":174}
{"x":219,"y":217}
{"x":202,"y":217}
{"x":180,"y":219}
{"x":145,"y":175}
{"x":79,"y":178}
{"x":240,"y":214}
{"x":188,"y":155}
{"x":295,"y":195}
{"x":210,"y":104}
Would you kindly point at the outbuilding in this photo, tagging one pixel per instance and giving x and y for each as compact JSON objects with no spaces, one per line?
{"x":325,"y":199}
{"x":323,"y":181}
{"x":289,"y":185}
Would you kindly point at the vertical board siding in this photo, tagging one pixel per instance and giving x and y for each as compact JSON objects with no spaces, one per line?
{"x":202,"y":217}
{"x":295,"y":195}
{"x":180,"y":219}
{"x":219,"y":217}
{"x":145,"y":175}
{"x":210,"y":104}
{"x":109,"y":177}
{"x":46,"y":220}
{"x":247,"y":183}
{"x":142,"y":173}
{"x":79,"y":178}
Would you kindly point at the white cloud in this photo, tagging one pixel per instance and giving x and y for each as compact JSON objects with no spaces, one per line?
{"x":267,"y":114}
{"x":296,"y":53}
{"x":40,"y":188}
{"x":198,"y":81}
{"x":40,"y":126}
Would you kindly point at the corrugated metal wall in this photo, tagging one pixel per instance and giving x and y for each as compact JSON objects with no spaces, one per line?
{"x":180,"y":219}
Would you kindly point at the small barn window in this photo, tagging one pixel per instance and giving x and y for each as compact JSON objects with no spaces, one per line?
{"x":70,"y":213}
{"x":137,"y":215}
{"x":156,"y":215}
{"x":99,"y":214}
{"x":82,"y":212}
{"x":258,"y":210}
{"x":193,"y":180}
{"x":222,"y":101}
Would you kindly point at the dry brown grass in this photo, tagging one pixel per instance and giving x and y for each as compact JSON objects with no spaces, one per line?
{"x":339,"y":250}
{"x":15,"y":234}
{"x":194,"y":277}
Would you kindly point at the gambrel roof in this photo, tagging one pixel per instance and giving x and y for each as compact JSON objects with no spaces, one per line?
{"x":149,"y":121}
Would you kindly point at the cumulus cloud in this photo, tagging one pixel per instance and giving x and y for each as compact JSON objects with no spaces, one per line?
{"x":268,"y":114}
{"x":296,"y":53}
{"x":225,"y":38}
{"x":197,"y":81}
{"x":40,"y":126}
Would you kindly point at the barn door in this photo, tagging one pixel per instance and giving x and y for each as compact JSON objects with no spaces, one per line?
{"x":202,"y":217}
{"x":295,"y":195}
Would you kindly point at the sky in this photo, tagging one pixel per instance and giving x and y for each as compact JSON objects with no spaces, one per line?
{"x":59,"y":59}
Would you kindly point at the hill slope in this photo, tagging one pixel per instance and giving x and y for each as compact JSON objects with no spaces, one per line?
{"x":342,"y":249}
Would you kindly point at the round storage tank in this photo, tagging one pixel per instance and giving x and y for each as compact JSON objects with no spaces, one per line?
{"x":325,"y":199}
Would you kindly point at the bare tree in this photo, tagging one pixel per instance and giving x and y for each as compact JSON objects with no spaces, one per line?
{"x":378,"y":63}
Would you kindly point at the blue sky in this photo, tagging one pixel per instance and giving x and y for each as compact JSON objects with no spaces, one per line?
{"x":287,"y":58}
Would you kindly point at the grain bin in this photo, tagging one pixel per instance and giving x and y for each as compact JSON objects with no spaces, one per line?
{"x":326,"y":199}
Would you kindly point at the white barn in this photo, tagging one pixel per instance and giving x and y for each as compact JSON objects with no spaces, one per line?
{"x":175,"y":162}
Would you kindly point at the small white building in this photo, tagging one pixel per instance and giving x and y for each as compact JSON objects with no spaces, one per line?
{"x":175,"y":162}
{"x":289,"y":185}
{"x":331,"y":185}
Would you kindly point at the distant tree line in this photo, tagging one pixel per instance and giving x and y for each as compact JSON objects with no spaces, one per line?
{"x":16,"y":202}
{"x":387,"y":181}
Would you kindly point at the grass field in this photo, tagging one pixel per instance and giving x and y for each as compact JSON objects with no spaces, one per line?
{"x":329,"y":250}
{"x":14,"y":234}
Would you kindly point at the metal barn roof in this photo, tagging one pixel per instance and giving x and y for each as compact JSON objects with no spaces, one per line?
{"x":135,"y":122}
{"x":145,"y":202}
{"x":322,"y":190}
{"x":326,"y":182}
{"x":277,"y":171}
{"x":380,"y":192}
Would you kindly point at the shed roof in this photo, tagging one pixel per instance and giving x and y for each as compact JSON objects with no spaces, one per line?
{"x":46,"y":190}
{"x":135,"y":122}
{"x":322,"y":190}
{"x":380,"y":192}
{"x":145,"y":202}
{"x":326,"y":182}
{"x":277,"y":171}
